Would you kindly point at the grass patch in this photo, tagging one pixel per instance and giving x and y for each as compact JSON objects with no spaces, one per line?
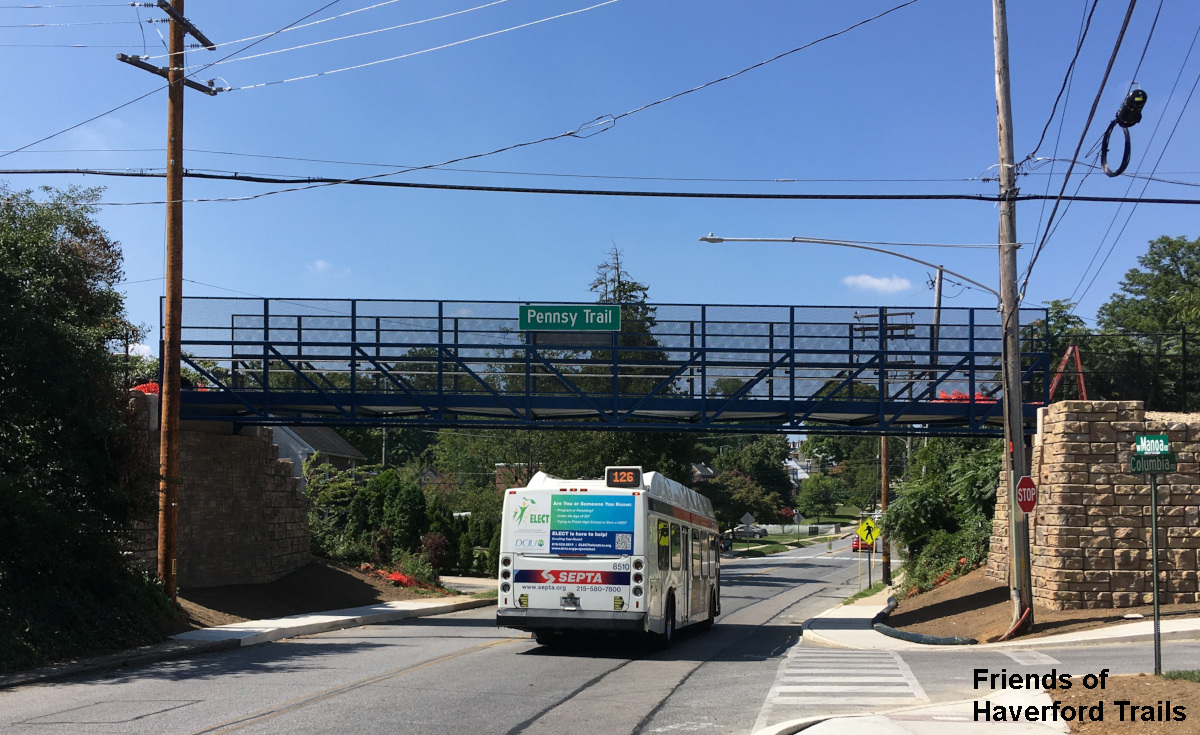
{"x":877,"y":587}
{"x":486,"y":595}
{"x":762,"y":550}
{"x":1183,"y":675}
{"x":791,"y":540}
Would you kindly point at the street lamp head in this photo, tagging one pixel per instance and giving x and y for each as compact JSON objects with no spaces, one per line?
{"x":712,"y":238}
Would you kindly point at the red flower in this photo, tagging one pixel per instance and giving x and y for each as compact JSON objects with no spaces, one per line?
{"x":151,"y":388}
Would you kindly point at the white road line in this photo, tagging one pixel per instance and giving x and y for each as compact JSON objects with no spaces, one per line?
{"x":1030,"y":658}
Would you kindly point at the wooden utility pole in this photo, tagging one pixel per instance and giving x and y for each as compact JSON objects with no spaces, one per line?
{"x":168,"y":448}
{"x":1020,"y":580}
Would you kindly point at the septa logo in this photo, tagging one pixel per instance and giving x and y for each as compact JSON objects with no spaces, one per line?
{"x":572,"y":576}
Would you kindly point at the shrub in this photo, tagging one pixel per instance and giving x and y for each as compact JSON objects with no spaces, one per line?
{"x":436,"y":549}
{"x":416,"y":566}
{"x":466,"y":555}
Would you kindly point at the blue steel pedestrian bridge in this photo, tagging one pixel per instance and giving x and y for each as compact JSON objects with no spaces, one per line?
{"x":672,"y":367}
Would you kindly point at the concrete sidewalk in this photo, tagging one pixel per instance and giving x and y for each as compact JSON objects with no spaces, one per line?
{"x":253,"y":632}
{"x":849,"y":626}
{"x":249,"y":633}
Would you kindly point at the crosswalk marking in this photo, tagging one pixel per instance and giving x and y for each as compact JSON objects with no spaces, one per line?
{"x":1030,"y":658}
{"x":833,"y":679}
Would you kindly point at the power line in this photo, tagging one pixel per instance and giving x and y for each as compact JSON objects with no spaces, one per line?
{"x":1066,"y":79}
{"x":1153,"y":25}
{"x":593,"y":127}
{"x":1068,"y":84}
{"x":81,"y":23}
{"x":1147,"y":184}
{"x":294,"y":27}
{"x":423,"y":51}
{"x":158,"y":89}
{"x":316,"y":182}
{"x":1082,"y":137}
{"x":1129,"y":187}
{"x":365,"y":33}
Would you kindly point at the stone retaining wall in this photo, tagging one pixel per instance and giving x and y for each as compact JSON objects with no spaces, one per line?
{"x":243,"y":517}
{"x":1090,"y":532}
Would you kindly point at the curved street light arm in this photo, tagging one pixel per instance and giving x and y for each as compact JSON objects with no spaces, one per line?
{"x":841,"y":243}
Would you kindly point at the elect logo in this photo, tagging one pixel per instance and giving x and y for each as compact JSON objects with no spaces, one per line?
{"x":522,"y":513}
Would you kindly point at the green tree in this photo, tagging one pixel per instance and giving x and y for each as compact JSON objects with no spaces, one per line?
{"x":405,"y":513}
{"x":1149,"y":296}
{"x":734,"y":494}
{"x":820,"y":495}
{"x":74,"y":474}
{"x":762,"y":461}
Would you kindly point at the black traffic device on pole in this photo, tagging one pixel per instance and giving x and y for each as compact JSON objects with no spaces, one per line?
{"x":1129,"y":115}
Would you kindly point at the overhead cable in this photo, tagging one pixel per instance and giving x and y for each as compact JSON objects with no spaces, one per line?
{"x":1082,"y":137}
{"x":1066,"y":80}
{"x":1161,"y":153}
{"x":295,"y":27}
{"x":423,"y":51}
{"x":315,"y":182}
{"x":360,"y":35}
{"x":159,"y":89}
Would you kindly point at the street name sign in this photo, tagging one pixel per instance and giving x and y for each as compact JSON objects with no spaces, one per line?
{"x":867,"y":531}
{"x":1027,"y":494}
{"x":569,"y":318}
{"x":1151,"y":444}
{"x":1153,"y":464}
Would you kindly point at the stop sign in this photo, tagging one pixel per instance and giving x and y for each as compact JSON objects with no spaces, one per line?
{"x":1026,"y":494}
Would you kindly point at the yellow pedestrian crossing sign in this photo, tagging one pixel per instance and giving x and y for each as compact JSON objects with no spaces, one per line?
{"x":867,"y":531}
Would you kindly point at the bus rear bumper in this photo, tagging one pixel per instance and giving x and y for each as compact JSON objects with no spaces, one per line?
{"x":527,"y":619}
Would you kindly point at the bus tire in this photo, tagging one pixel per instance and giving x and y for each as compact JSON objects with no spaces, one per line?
{"x":667,"y":637}
{"x":712,"y":611}
{"x":544,"y":638}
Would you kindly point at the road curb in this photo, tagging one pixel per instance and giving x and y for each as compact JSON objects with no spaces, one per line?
{"x":225,"y":639}
{"x":168,"y":651}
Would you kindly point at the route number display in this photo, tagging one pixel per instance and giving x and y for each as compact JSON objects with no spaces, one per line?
{"x":623,"y":476}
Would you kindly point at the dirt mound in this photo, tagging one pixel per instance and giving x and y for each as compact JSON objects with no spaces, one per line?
{"x":977,"y":607}
{"x":317,"y":587}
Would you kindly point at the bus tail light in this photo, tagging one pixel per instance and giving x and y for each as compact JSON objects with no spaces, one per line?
{"x":637,"y":591}
{"x":505,"y":574}
{"x":638,"y":564}
{"x":505,"y":587}
{"x":637,"y":577}
{"x":505,"y":561}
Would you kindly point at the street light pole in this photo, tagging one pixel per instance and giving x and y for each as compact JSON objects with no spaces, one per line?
{"x":1020,"y":575}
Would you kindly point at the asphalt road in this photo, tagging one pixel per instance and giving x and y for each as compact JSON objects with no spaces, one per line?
{"x":458,"y":673}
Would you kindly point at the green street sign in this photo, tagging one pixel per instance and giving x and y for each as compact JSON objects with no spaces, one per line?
{"x":1140,"y":464}
{"x":1151,"y":444}
{"x":569,"y":318}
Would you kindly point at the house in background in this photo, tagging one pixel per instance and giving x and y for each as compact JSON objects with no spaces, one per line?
{"x":298,"y":443}
{"x":702,"y":473}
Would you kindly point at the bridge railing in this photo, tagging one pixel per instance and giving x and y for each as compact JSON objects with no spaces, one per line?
{"x":690,"y":364}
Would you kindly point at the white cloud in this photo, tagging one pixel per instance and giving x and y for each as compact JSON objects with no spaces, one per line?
{"x":888,"y":284}
{"x":325,"y":268}
{"x":141,"y":350}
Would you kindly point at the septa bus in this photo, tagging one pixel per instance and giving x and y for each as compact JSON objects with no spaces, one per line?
{"x":631,"y":552}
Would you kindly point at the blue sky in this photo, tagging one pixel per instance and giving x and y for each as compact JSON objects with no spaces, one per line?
{"x":909,"y":96}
